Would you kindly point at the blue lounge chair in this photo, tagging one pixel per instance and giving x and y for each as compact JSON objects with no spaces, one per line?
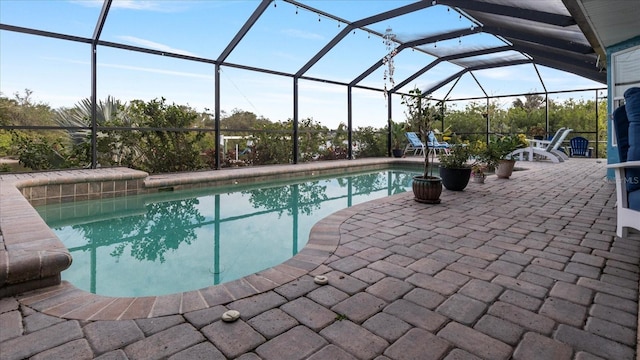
{"x":435,"y":146}
{"x":415,"y":144}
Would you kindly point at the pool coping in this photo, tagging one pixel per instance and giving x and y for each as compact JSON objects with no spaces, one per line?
{"x":32,"y":257}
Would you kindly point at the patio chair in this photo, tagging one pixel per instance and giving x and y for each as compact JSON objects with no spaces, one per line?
{"x":626,"y":122}
{"x":579,"y":147}
{"x":415,"y":144}
{"x":557,"y":148}
{"x":549,"y":152}
{"x":435,"y":146}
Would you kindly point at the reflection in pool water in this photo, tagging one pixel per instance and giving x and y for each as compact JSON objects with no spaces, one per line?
{"x":170,"y":242}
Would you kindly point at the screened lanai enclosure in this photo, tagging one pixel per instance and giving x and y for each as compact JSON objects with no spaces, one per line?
{"x":185,"y":85}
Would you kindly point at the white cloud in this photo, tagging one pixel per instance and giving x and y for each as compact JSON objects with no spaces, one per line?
{"x":158,"y":71}
{"x":302,"y":34}
{"x":287,"y":56}
{"x":500,"y":74}
{"x":137,"y":4}
{"x":144,"y":5}
{"x":154,"y":45}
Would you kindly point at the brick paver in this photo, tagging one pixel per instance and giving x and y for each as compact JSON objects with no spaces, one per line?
{"x":105,"y":336}
{"x":475,"y":342}
{"x":359,"y":307}
{"x":357,"y":340}
{"x":296,"y":343}
{"x":526,"y":268}
{"x":233,"y":339}
{"x":536,"y":346}
{"x":164,"y":343}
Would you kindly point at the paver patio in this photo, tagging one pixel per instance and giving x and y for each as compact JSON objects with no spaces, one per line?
{"x":526,"y":268}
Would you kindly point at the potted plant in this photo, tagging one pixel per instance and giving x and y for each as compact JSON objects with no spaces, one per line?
{"x":478,"y":173}
{"x":498,"y":153}
{"x":421,"y":115}
{"x":455,"y":168}
{"x":397,"y":138}
{"x":537,"y":132}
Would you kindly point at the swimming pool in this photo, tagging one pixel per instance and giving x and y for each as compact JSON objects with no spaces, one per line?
{"x":169,"y":242}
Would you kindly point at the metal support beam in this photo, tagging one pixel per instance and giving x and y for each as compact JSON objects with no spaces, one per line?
{"x":442,"y":37}
{"x":418,"y":42}
{"x":349,"y":122}
{"x":510,"y":11}
{"x":216,"y":122}
{"x":449,"y":58}
{"x":416,"y":75}
{"x":389,"y":120}
{"x":546,"y":112}
{"x":597,"y":127}
{"x":580,"y":64}
{"x":449,"y":93}
{"x":101,"y":20}
{"x":488,"y":119}
{"x":94,"y":107}
{"x":296,"y":145}
{"x":94,"y":81}
{"x":418,"y":5}
{"x":244,"y":30}
{"x":546,"y":99}
{"x":361,"y":23}
{"x":336,"y":39}
{"x":546,"y":40}
{"x":48,"y":34}
{"x":479,"y":85}
{"x":482,"y":67}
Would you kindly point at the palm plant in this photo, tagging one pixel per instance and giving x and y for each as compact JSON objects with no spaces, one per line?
{"x":113,"y":146}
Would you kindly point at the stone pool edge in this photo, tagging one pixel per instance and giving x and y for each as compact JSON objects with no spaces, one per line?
{"x":31,"y":261}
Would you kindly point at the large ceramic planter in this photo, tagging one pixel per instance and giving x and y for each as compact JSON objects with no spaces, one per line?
{"x":455,"y":179}
{"x":397,"y":153}
{"x":427,"y":190}
{"x":505,"y":168}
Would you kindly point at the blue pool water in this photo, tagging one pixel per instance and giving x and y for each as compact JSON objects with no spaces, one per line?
{"x":170,"y":242}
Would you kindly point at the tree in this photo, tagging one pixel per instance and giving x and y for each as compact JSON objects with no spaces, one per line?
{"x":532,"y":102}
{"x":242,"y":120}
{"x":37,"y":150}
{"x":313,"y":137}
{"x":166,"y":150}
{"x":370,"y":142}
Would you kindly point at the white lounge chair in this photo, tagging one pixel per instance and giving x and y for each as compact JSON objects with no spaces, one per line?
{"x":556,"y":149}
{"x":628,"y":214}
{"x":550,"y":151}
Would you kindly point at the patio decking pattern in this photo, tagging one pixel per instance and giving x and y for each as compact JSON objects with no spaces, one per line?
{"x":527,"y":268}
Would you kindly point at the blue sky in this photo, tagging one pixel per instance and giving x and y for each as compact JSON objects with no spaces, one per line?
{"x":284,"y":39}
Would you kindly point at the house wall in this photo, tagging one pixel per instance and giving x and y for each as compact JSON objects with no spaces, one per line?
{"x":612,"y":151}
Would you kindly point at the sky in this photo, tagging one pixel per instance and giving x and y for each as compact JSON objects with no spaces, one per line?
{"x":283,"y":39}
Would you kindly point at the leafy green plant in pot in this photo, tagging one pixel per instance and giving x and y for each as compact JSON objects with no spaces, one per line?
{"x":479,"y":167}
{"x":397,"y":138}
{"x":537,"y":132}
{"x":455,"y":167}
{"x":477,"y":173}
{"x":421,"y":115}
{"x":498,"y":153}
